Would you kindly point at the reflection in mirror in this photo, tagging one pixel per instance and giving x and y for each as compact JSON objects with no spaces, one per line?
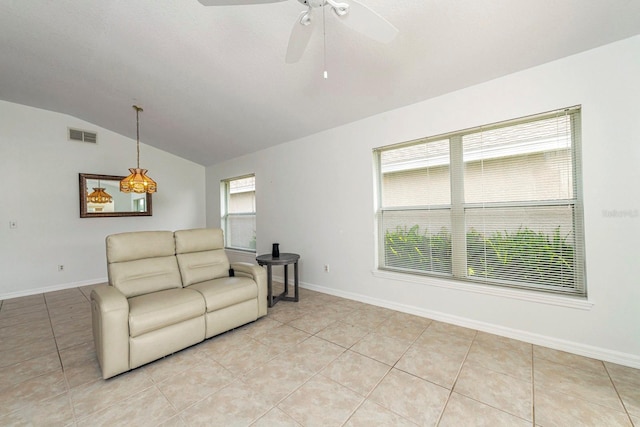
{"x":100,"y":196}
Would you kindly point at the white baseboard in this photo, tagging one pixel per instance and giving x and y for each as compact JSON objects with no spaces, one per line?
{"x":599,"y":353}
{"x":52,"y":288}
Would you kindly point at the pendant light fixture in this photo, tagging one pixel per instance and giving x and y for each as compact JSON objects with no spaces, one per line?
{"x":138,"y":181}
{"x":99,"y":195}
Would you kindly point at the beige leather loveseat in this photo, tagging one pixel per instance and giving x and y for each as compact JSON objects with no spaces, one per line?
{"x":167,"y":291}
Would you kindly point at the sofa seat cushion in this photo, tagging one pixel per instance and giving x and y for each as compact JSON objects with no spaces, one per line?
{"x":226,"y":291}
{"x":164,"y":308}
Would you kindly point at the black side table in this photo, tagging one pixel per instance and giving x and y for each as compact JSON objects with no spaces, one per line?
{"x":284,"y":260}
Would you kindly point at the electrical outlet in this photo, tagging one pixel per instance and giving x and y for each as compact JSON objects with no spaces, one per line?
{"x":60,"y":267}
{"x":326,"y":268}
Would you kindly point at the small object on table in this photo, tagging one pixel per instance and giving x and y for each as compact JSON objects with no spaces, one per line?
{"x":283,"y":259}
{"x":275,"y":251}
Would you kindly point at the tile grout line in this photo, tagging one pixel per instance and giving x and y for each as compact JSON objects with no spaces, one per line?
{"x":365,"y":397}
{"x":314,"y":375}
{"x":119,"y":402}
{"x":533,"y":388}
{"x":346,"y":349}
{"x":20,"y":408}
{"x":66,"y":380}
{"x":588,"y":372}
{"x":368,"y":395}
{"x":455,"y":381}
{"x":55,"y":340}
{"x":52,"y":308}
{"x":171,"y":404}
{"x":238,"y":377}
{"x":64,"y":374}
{"x":391,"y":368}
{"x":76,"y":418}
{"x":618,"y":393}
{"x":479,"y":401}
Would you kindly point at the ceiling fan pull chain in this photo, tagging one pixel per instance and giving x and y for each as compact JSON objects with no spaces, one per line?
{"x":324,"y":43}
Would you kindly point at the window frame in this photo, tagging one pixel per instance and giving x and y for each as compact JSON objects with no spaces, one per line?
{"x":458,"y":207}
{"x":225,"y":194}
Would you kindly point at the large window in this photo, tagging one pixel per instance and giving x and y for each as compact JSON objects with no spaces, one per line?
{"x":239,"y":212}
{"x":499,"y":205}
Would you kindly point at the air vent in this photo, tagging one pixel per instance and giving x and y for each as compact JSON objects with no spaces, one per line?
{"x":83,"y":135}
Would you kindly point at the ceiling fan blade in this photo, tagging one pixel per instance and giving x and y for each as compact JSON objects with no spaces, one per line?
{"x":364,"y":20}
{"x":235,"y":2}
{"x":299,"y":38}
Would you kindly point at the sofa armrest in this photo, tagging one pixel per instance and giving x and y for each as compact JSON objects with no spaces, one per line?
{"x":110,"y":318}
{"x":259,"y":275}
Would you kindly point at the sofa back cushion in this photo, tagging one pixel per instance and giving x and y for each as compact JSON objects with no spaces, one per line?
{"x":201,"y":255}
{"x":142,"y":262}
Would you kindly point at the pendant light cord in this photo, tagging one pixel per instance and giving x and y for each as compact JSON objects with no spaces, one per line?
{"x":138,"y":109}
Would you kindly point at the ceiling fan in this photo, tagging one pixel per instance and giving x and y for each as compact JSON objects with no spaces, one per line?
{"x":352,"y":13}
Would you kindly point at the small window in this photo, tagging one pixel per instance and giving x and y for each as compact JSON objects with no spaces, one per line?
{"x":498,"y":205}
{"x":239,"y":212}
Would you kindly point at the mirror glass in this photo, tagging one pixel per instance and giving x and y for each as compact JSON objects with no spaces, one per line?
{"x":121,"y":204}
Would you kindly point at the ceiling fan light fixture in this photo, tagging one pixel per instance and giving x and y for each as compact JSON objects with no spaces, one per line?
{"x":339,"y":9}
{"x":138,"y":181}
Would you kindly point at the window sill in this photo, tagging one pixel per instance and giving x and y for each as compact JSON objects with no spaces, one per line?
{"x":245,"y":251}
{"x":524,"y":295}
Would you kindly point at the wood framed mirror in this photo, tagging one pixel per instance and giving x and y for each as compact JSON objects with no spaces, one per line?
{"x":121,"y":204}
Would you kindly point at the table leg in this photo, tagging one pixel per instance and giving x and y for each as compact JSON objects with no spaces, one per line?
{"x":295,"y":280}
{"x":286,"y":279}
{"x":269,"y":286}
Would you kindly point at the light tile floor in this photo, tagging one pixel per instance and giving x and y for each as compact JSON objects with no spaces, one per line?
{"x":324,"y":361}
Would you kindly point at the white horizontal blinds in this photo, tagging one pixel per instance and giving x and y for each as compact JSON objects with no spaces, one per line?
{"x":500,"y":205}
{"x":520,"y":205}
{"x":240,"y":219}
{"x":416,"y":175}
{"x":415,"y":207}
{"x":521,"y":162}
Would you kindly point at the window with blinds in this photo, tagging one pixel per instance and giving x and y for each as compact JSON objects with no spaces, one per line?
{"x":499,"y":205}
{"x":239,"y":212}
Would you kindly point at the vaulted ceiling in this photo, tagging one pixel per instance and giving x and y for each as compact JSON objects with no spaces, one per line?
{"x":213,"y":81}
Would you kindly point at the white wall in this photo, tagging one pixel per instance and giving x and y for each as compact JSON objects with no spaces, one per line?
{"x":39,"y":170}
{"x":315,"y":196}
